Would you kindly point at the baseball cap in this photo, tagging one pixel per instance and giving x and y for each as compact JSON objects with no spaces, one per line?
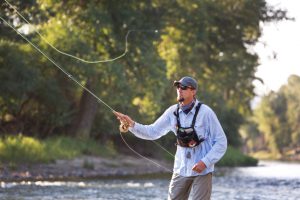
{"x":187,"y":81}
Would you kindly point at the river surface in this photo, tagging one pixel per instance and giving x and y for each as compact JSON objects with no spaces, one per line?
{"x":269,"y":180}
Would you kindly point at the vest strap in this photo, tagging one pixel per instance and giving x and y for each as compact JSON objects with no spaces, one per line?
{"x":196,"y":113}
{"x":176,"y":113}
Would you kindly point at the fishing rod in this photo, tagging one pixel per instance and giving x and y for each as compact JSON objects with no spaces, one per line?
{"x":99,"y":100}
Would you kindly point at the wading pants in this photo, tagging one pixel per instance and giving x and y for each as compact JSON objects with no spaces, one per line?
{"x":200,"y":186}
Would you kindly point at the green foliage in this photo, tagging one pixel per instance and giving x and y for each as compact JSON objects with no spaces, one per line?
{"x":234,"y":157}
{"x":25,"y":95}
{"x":292,"y":94}
{"x":17,"y":77}
{"x":207,"y":39}
{"x":278,"y":117}
{"x":23,"y":149}
{"x":251,"y":136}
{"x":231,"y":121}
{"x":66,"y":147}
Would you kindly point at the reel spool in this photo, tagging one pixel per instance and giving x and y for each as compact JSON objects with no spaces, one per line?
{"x":124,"y":127}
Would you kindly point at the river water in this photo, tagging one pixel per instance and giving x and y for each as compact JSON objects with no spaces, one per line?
{"x":269,"y":180}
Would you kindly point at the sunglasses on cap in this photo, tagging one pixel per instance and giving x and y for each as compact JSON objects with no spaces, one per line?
{"x":183,"y":87}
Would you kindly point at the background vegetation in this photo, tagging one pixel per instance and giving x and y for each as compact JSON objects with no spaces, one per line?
{"x":209,"y":40}
{"x":274,"y":129}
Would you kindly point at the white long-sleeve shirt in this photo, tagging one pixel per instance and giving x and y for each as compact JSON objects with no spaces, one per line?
{"x":207,"y":125}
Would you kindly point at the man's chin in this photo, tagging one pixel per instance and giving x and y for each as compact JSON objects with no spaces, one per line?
{"x":180,"y":99}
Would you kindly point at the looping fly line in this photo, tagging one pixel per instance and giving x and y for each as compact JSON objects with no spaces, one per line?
{"x":75,"y":57}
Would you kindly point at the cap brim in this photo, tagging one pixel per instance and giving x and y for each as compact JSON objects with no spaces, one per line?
{"x":176,"y":83}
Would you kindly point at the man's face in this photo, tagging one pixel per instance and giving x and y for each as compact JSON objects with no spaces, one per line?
{"x":185,"y":94}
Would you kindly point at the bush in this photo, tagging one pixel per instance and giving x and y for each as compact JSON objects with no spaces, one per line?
{"x":23,"y":149}
{"x":66,"y":147}
{"x":234,"y":157}
{"x":20,"y":149}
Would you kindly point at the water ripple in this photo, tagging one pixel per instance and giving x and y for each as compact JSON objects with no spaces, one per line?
{"x":269,"y":181}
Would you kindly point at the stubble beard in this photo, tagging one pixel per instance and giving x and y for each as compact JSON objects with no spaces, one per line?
{"x":180,"y":99}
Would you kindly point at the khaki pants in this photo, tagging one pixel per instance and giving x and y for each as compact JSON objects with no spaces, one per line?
{"x":200,"y":186}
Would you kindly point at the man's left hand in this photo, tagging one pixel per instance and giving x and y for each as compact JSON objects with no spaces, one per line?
{"x":199,"y":167}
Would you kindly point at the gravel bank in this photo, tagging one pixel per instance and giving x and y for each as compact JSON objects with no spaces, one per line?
{"x":86,"y":167}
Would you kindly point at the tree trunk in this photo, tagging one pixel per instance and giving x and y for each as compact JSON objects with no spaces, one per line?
{"x":82,"y":124}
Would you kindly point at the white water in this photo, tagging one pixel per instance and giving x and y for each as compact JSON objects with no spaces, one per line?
{"x":268,"y":181}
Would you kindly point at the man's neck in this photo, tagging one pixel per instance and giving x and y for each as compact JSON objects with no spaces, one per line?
{"x":184,"y":103}
{"x":187,"y":107}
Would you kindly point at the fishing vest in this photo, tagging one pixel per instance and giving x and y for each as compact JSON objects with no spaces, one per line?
{"x":187,"y":136}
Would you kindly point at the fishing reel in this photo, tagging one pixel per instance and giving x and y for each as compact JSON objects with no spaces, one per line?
{"x":124,"y":127}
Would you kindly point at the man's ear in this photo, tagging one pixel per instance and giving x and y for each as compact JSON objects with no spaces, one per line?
{"x":194,"y":92}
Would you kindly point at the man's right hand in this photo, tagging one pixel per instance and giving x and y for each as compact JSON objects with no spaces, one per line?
{"x":125,"y":119}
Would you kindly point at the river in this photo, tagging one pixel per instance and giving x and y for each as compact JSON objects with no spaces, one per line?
{"x":269,"y":181}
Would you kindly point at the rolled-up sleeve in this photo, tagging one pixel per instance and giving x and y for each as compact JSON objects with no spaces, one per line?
{"x":218,"y":140}
{"x":156,"y":130}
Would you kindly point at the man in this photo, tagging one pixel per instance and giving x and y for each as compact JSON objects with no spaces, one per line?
{"x":201,"y":141}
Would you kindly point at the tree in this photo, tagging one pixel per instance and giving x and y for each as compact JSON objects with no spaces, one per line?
{"x":292,"y":93}
{"x":278,"y":117}
{"x":206,"y":39}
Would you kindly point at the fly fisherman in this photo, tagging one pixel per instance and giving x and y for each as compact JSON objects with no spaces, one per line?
{"x":201,"y":141}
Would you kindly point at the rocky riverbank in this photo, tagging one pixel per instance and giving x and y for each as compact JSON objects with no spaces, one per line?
{"x":85,"y":167}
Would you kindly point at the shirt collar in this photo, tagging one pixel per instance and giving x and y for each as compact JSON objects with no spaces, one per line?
{"x":193,"y":109}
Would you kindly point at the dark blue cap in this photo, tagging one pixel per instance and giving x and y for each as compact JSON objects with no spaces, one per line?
{"x":187,"y":81}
